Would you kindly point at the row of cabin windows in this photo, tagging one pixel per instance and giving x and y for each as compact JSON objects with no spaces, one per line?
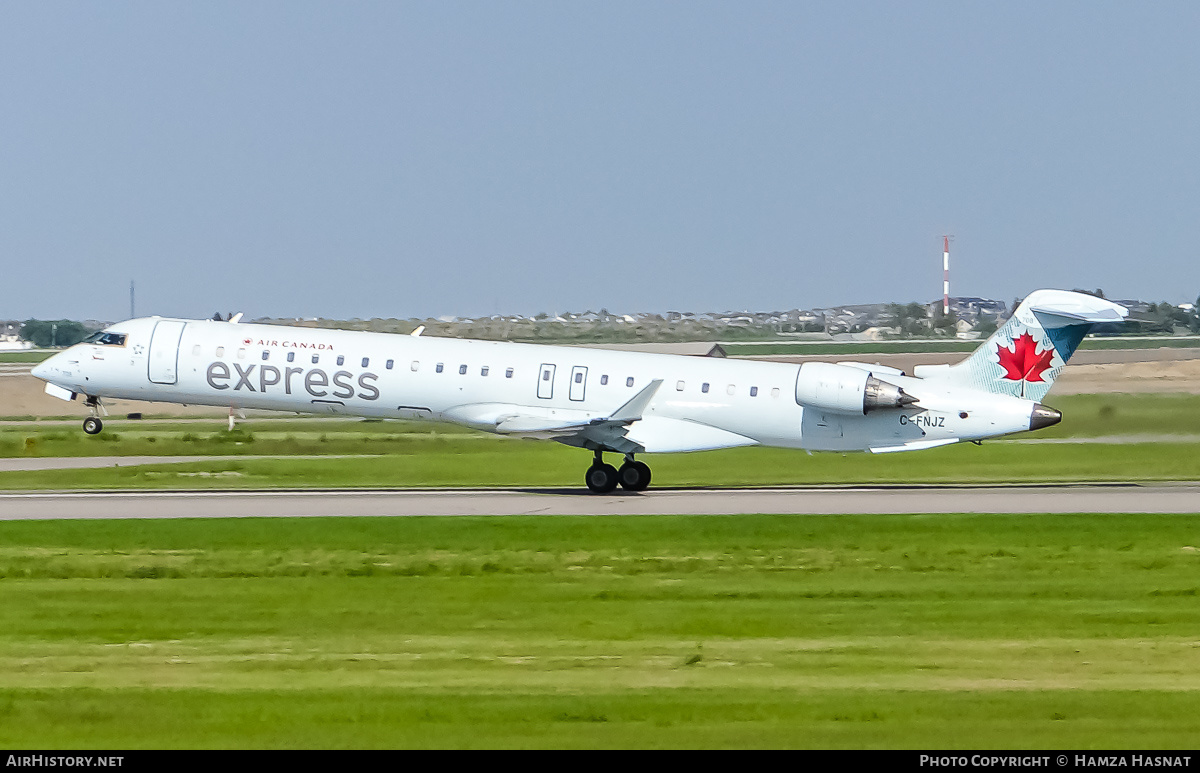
{"x":731,"y":389}
{"x":291,"y":357}
{"x":603,"y":380}
{"x":483,"y":371}
{"x":341,"y":360}
{"x":462,"y":369}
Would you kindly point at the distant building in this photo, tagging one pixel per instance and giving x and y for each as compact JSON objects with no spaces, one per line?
{"x":972,"y":310}
{"x":10,"y":336}
{"x":854,"y":319}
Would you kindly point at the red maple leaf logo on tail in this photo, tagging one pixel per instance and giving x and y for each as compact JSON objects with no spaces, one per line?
{"x":1023,"y":362}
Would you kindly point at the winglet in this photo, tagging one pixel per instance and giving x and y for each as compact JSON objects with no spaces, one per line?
{"x":632,"y":410}
{"x":416,"y":333}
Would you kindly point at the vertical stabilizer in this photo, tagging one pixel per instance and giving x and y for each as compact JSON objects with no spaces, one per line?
{"x":1025,"y":356}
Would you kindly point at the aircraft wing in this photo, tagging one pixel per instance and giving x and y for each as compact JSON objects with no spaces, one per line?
{"x":626,"y":430}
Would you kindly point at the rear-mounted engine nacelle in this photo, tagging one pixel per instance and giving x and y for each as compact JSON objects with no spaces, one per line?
{"x":843,"y":389}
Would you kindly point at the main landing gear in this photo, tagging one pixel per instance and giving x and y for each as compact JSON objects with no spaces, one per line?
{"x":603,"y":478}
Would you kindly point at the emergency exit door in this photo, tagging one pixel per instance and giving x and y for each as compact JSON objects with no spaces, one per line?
{"x":546,"y":382}
{"x":578,"y":382}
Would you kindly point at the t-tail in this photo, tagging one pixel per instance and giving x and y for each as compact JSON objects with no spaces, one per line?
{"x":1025,"y":356}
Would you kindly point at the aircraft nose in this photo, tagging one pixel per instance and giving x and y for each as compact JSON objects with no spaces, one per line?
{"x":41,"y":370}
{"x":46,"y":368}
{"x":1042,"y":417}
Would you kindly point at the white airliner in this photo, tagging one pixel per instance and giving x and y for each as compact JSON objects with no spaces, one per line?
{"x":600,"y":400}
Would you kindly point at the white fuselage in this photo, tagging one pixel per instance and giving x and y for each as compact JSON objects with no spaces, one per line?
{"x":702,"y":403}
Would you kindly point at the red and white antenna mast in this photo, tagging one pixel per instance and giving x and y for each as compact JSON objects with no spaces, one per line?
{"x":946,"y":275}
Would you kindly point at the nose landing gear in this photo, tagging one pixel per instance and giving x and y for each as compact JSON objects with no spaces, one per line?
{"x":603,"y":478}
{"x":92,"y":424}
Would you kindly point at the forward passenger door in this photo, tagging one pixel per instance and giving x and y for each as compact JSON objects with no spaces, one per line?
{"x":164,"y":351}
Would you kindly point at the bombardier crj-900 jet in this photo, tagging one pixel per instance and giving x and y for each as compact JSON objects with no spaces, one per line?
{"x":601,"y":400}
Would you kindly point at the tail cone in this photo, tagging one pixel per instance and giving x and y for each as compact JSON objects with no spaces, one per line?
{"x":1043,"y":417}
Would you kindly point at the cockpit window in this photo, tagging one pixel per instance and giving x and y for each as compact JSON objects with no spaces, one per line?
{"x":106,"y":339}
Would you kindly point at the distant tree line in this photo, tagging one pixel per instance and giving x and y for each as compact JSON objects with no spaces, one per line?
{"x":1165,"y":317}
{"x":1157,"y":318}
{"x":45,"y":333}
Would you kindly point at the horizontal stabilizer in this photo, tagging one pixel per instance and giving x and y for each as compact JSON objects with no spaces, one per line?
{"x":1080,"y":309}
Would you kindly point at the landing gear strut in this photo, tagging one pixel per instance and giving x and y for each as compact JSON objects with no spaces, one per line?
{"x":603,"y":478}
{"x":92,"y":424}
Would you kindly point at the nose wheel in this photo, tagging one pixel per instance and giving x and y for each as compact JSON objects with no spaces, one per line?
{"x":603,"y":478}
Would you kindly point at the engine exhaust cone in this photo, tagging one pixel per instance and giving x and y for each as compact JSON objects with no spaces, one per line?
{"x":1043,"y":417}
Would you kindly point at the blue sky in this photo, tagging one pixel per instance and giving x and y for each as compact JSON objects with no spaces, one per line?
{"x":361,"y":159}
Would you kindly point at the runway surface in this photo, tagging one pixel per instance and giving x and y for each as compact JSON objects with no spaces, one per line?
{"x":1184,"y":498}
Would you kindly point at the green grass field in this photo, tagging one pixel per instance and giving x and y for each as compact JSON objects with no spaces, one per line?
{"x":985,"y":632}
{"x":25,"y":356}
{"x":921,"y":631}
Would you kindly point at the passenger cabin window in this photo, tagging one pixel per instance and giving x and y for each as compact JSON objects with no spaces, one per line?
{"x":730,"y":389}
{"x":196,"y":350}
{"x":579,"y":378}
{"x":508,"y":373}
{"x":545,"y":375}
{"x":483,"y":371}
{"x":365,"y":361}
{"x":266,"y":355}
{"x":316,"y":357}
{"x":220,"y":351}
{"x":439,"y":367}
{"x":704,"y":387}
{"x":678,"y":386}
{"x":603,"y":380}
{"x":241,"y":354}
{"x":101,"y":338}
{"x":416,"y":365}
{"x":341,"y":359}
{"x":629,"y":381}
{"x":774,"y":391}
{"x":389,"y":364}
{"x":462,"y":370}
{"x":291,"y":356}
{"x":754,"y":391}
